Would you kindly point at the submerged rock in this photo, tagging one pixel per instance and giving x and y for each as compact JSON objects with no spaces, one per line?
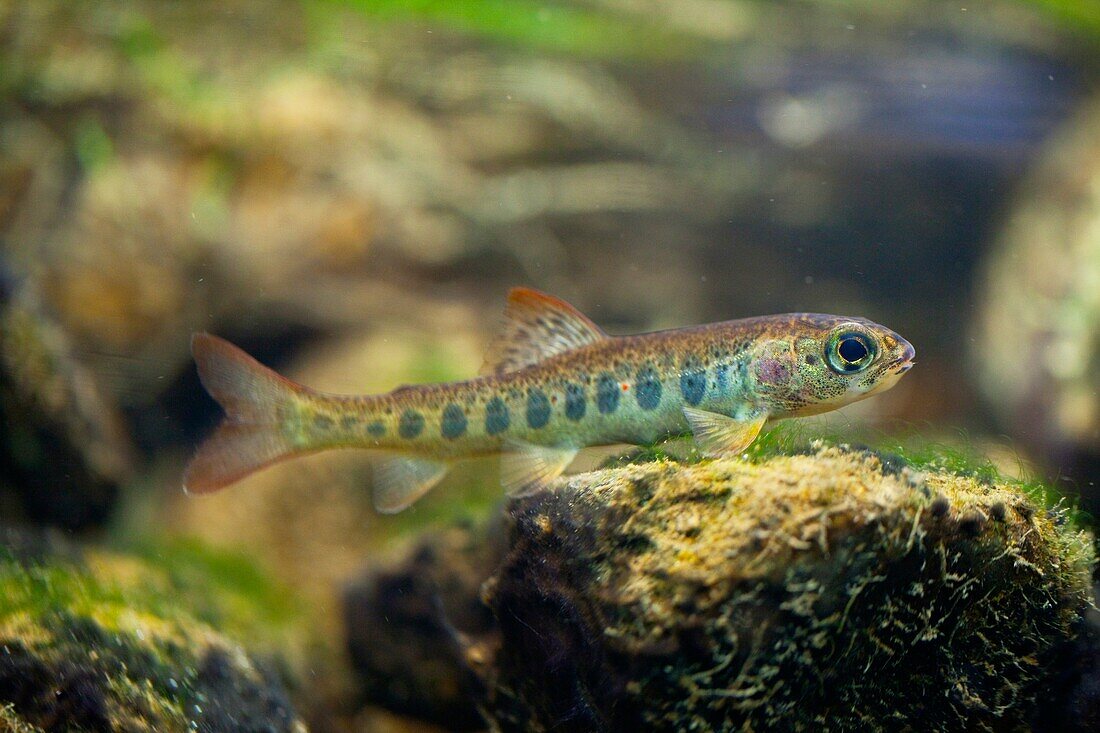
{"x":63,"y":448}
{"x":104,"y":642}
{"x":835,"y":588}
{"x":798,"y":592}
{"x":1036,"y":349}
{"x":403,"y":628}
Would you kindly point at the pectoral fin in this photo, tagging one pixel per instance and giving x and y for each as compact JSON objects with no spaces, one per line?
{"x":721,"y":435}
{"x":401,"y":480}
{"x":525,"y":468}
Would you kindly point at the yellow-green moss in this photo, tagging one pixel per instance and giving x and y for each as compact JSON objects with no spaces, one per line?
{"x":786,"y":592}
{"x":100,"y":638}
{"x":10,"y":722}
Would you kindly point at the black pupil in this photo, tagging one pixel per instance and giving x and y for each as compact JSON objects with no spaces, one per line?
{"x":852,"y":350}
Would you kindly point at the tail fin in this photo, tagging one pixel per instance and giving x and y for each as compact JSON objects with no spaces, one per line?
{"x":251,"y":437}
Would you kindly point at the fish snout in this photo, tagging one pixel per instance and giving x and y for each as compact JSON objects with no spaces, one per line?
{"x":904,"y":362}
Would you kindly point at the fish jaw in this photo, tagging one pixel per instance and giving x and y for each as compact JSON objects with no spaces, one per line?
{"x":893,"y":372}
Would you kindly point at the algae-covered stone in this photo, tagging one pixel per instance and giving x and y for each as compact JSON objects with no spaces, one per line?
{"x":410,"y":627}
{"x":828,"y":590}
{"x":95,"y":640}
{"x":1036,"y":351}
{"x":63,"y":450}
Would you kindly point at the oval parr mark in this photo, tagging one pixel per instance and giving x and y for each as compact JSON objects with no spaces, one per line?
{"x":575,"y":402}
{"x":538,"y":409}
{"x":453,"y":422}
{"x":497,"y":418}
{"x":411,"y":424}
{"x":693,"y":382}
{"x":647,"y":388}
{"x":607,"y":394}
{"x":376,"y":429}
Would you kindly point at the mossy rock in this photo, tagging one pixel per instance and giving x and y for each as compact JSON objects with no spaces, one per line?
{"x":409,"y":626}
{"x":97,"y":640}
{"x":797,"y":592}
{"x":63,"y":448}
{"x":1035,"y":353}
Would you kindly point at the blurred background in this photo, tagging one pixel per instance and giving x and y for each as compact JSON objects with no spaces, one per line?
{"x":347,"y":189}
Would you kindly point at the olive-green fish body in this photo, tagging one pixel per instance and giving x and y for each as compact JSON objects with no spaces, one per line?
{"x":555,"y":384}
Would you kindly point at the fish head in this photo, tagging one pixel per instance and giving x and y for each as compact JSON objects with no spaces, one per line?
{"x":817,"y":363}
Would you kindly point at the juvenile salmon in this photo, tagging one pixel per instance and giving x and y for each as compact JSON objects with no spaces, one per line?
{"x":553,"y":383}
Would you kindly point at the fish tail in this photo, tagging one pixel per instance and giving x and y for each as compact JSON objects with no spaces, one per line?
{"x":256,"y":401}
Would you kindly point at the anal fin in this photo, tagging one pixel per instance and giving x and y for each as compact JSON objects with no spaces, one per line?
{"x":525,"y":467}
{"x":401,"y":480}
{"x":720,"y":435}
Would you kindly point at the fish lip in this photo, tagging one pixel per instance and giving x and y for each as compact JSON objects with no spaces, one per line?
{"x":905,"y":362}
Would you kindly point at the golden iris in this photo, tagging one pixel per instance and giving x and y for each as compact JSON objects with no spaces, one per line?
{"x":849,"y":352}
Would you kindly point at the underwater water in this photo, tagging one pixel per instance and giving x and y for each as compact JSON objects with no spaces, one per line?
{"x":708,"y":529}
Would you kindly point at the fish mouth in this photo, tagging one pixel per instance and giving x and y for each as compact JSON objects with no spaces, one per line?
{"x":905,"y":362}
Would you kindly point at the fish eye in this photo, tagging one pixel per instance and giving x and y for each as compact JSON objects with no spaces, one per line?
{"x":850,"y":352}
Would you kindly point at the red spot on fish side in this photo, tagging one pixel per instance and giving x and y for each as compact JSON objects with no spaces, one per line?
{"x":626,"y":387}
{"x":772,"y":371}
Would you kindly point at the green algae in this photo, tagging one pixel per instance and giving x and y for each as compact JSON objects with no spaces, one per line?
{"x":553,"y":27}
{"x":1077,"y":16}
{"x":224,"y":589}
{"x":99,"y":639}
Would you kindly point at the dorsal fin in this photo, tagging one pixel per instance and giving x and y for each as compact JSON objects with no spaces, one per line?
{"x":536,"y":327}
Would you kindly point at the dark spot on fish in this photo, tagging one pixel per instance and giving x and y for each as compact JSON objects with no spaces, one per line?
{"x":812,"y":359}
{"x":410,"y":425}
{"x":497,"y":418}
{"x":607,"y":394}
{"x":453,"y":422}
{"x":376,"y":429}
{"x":538,"y":409}
{"x":693,"y":381}
{"x":647,"y":388}
{"x":998,"y":511}
{"x":322,"y":422}
{"x":347,"y":422}
{"x":575,"y":404}
{"x":722,"y":378}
